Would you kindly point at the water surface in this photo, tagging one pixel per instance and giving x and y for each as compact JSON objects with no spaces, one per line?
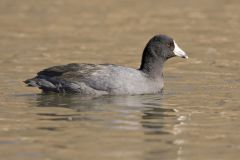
{"x":197,"y":117}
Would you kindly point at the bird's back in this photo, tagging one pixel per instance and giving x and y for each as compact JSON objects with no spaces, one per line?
{"x":94,"y":79}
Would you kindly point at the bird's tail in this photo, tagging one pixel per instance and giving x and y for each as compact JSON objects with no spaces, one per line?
{"x":32,"y":82}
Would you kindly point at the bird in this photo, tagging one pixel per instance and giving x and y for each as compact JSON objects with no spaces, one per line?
{"x":111,"y":79}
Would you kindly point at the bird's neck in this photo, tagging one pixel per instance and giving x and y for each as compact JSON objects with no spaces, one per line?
{"x":152,"y":64}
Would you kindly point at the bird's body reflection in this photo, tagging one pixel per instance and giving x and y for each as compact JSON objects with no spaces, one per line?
{"x":80,"y":102}
{"x":149,"y":108}
{"x":148,"y":114}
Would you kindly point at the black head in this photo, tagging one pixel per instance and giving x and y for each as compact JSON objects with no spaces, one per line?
{"x":159,"y":49}
{"x":164,"y":47}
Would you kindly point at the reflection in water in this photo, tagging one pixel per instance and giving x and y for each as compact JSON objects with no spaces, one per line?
{"x":163,"y":126}
{"x":153,"y":119}
{"x":80,"y":102}
{"x":123,"y":105}
{"x":147,"y":114}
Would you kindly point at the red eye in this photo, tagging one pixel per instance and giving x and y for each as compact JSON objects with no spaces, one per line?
{"x":168,"y":45}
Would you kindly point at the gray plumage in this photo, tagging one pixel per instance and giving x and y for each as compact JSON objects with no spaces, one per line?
{"x":93,"y":79}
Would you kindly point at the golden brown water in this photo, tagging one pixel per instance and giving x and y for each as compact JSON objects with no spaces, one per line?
{"x":196,"y":118}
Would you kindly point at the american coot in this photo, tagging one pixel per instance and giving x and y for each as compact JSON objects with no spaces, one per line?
{"x":99,"y":79}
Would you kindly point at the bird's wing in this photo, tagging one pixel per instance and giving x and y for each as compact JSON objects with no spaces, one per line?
{"x":71,"y":78}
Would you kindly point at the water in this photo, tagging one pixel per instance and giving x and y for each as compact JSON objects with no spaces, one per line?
{"x":197,"y":117}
